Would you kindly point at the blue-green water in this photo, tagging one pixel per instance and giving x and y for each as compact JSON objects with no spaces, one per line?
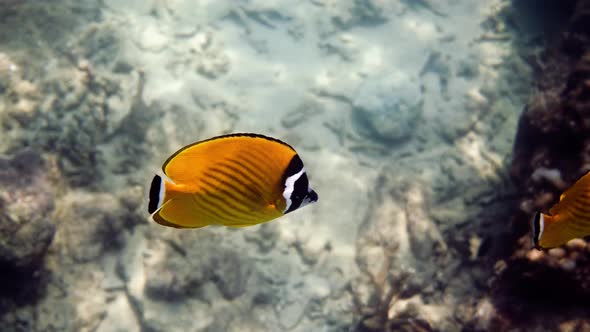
{"x":404,"y":113}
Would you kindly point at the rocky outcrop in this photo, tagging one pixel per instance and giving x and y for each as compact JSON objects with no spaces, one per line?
{"x":551,"y":151}
{"x":27,"y":195}
{"x":26,"y":199}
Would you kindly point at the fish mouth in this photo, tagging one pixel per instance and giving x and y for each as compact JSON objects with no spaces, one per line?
{"x":312,"y":196}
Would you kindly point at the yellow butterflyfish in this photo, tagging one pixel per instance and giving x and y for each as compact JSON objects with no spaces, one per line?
{"x":234,"y":180}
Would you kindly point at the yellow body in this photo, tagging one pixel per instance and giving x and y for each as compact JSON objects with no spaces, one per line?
{"x":233,"y":180}
{"x":569,"y":218}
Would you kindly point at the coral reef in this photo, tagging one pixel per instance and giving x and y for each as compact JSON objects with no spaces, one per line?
{"x":68,"y":95}
{"x":70,"y":113}
{"x":412,"y":264}
{"x":550,"y":153}
{"x":27,"y":199}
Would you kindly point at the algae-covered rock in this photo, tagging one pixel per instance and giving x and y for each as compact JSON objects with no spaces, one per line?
{"x":26,"y":201}
{"x":550,"y":154}
{"x":26,"y":232}
{"x":230,"y":273}
{"x":90,"y":224}
{"x":358,"y":12}
{"x":188,"y":261}
{"x":76,"y":107}
{"x":175,"y":277}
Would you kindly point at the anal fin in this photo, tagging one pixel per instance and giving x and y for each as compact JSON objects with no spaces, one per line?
{"x":179,"y":212}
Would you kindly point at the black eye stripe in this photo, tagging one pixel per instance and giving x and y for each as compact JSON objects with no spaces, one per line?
{"x":300,"y":191}
{"x":295,"y":166}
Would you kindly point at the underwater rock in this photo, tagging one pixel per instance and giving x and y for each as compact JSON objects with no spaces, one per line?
{"x":388,"y":250}
{"x":302,"y":113}
{"x":41,"y":29}
{"x":138,"y":6}
{"x":8,"y":70}
{"x":266,"y":238}
{"x":100,"y":45}
{"x":421,"y":228}
{"x":388,"y":109}
{"x":120,"y":317}
{"x":192,"y":260}
{"x":69,"y":113}
{"x":11,"y":2}
{"x":132,"y":197}
{"x":344,"y":46}
{"x":550,"y":154}
{"x":553,"y":132}
{"x":434,"y":7}
{"x":21,"y":97}
{"x":201,"y":53}
{"x":291,"y":315}
{"x":90,"y":224}
{"x":26,"y":201}
{"x":346,"y":15}
{"x":17,"y":320}
{"x":230,"y":272}
{"x":174,"y":278}
{"x":151,"y":38}
{"x":27,"y":193}
{"x":438,"y":64}
{"x":212,"y":61}
{"x":204,"y":54}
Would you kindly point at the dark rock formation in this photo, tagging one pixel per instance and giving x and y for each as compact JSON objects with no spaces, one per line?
{"x":26,"y":232}
{"x":551,"y":151}
{"x":231,"y":273}
{"x":191,"y":261}
{"x":26,"y":199}
{"x":91,"y":223}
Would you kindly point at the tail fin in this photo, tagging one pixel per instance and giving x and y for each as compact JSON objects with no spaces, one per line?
{"x":549,"y":233}
{"x":171,"y":207}
{"x":156,"y":195}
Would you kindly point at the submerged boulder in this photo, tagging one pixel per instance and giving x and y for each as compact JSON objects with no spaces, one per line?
{"x":192,"y":260}
{"x":26,"y":200}
{"x":551,"y":151}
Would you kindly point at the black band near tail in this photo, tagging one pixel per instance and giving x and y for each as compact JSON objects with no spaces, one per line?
{"x":154,"y":198}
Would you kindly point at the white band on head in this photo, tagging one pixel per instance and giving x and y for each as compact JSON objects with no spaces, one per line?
{"x":541,"y":225}
{"x":290,"y":186}
{"x":161,"y":194}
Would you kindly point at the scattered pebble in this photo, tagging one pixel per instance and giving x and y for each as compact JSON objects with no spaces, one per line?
{"x":535,"y":255}
{"x":567,"y":264}
{"x":557,"y":252}
{"x":576,"y":244}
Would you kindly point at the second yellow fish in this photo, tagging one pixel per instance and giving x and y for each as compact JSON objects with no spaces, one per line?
{"x":234,"y":180}
{"x":567,"y":219}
